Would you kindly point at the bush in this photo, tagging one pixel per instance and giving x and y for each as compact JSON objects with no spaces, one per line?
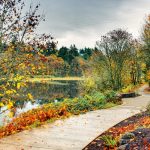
{"x":148,"y":108}
{"x":78,"y":105}
{"x":110,"y":94}
{"x":94,"y":101}
{"x":113,"y":97}
{"x":88,"y":85}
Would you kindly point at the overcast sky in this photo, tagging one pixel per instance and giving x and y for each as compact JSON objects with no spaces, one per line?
{"x":82,"y":22}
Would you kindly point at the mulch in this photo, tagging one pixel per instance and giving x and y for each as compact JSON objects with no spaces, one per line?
{"x":132,"y":126}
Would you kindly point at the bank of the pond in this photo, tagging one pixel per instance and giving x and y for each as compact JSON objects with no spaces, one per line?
{"x":53,"y":111}
{"x":48,"y":79}
{"x":6,"y":115}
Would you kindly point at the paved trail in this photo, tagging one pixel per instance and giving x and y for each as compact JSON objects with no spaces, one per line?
{"x":76,"y":132}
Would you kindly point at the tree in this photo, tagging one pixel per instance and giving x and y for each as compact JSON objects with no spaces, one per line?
{"x":86,"y":53}
{"x":54,"y":66}
{"x":17,"y":34}
{"x":75,"y":68}
{"x":115,"y":48}
{"x":135,"y":62}
{"x":19,"y":44}
{"x":14,"y":25}
{"x":64,"y":53}
{"x":50,"y":49}
{"x":73,"y":52}
{"x":68,"y":54}
{"x":146,"y":45}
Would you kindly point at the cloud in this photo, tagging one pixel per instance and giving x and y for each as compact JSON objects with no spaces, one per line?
{"x":82,"y":22}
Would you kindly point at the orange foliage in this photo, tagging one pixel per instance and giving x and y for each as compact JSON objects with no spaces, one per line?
{"x":25,"y":120}
{"x":117,"y":131}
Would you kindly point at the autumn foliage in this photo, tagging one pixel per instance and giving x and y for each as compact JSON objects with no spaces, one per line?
{"x":39,"y":116}
{"x":114,"y":134}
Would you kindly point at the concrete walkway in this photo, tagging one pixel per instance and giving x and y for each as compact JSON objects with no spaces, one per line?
{"x":76,"y":132}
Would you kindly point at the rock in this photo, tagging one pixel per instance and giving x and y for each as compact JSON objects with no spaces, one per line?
{"x":128,"y":136}
{"x":128,"y":95}
{"x":122,"y":147}
{"x":125,"y":139}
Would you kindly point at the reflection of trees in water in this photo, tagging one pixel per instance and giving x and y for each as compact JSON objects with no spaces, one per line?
{"x":45,"y":91}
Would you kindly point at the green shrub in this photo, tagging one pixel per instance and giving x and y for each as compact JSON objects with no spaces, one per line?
{"x":109,"y":141}
{"x":148,"y":108}
{"x":98,"y":96}
{"x":86,"y":103}
{"x":95,"y":100}
{"x":78,"y":105}
{"x":110,"y":94}
{"x":112,"y":97}
{"x":98,"y":100}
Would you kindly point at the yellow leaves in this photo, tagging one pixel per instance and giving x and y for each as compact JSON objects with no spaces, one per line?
{"x":29,"y":55}
{"x":11,"y":114}
{"x":10,"y":105}
{"x":2,"y":87}
{"x":148,"y":75}
{"x":143,"y":66}
{"x":1,"y":104}
{"x":8,"y":84}
{"x":18,"y":85}
{"x":1,"y":95}
{"x":30,"y":96}
{"x":89,"y":84}
{"x":41,"y":51}
{"x":10,"y":92}
{"x":18,"y":78}
{"x":33,"y":68}
{"x":127,"y":89}
{"x":22,"y":66}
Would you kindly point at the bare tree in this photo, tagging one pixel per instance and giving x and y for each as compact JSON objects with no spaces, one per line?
{"x":16,"y":25}
{"x":115,"y":47}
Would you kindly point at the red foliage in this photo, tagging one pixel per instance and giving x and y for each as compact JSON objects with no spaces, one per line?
{"x":26,"y":119}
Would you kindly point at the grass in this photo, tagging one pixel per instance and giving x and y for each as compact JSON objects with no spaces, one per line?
{"x":109,"y":141}
{"x":49,"y":79}
{"x":52,"y":79}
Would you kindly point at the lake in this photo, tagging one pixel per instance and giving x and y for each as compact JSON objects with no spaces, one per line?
{"x":42,"y":93}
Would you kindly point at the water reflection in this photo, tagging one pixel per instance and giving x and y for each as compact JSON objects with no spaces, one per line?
{"x":43,"y":93}
{"x":50,"y":91}
{"x":5,"y":118}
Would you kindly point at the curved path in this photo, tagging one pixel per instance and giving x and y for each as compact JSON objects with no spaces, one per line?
{"x":75,"y":132}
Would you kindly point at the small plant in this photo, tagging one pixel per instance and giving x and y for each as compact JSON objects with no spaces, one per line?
{"x":148,"y":108}
{"x":109,"y":141}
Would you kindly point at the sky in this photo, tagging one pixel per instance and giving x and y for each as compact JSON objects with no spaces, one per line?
{"x":83,"y":22}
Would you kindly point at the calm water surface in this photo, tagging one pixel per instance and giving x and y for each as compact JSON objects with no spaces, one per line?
{"x":43,"y":93}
